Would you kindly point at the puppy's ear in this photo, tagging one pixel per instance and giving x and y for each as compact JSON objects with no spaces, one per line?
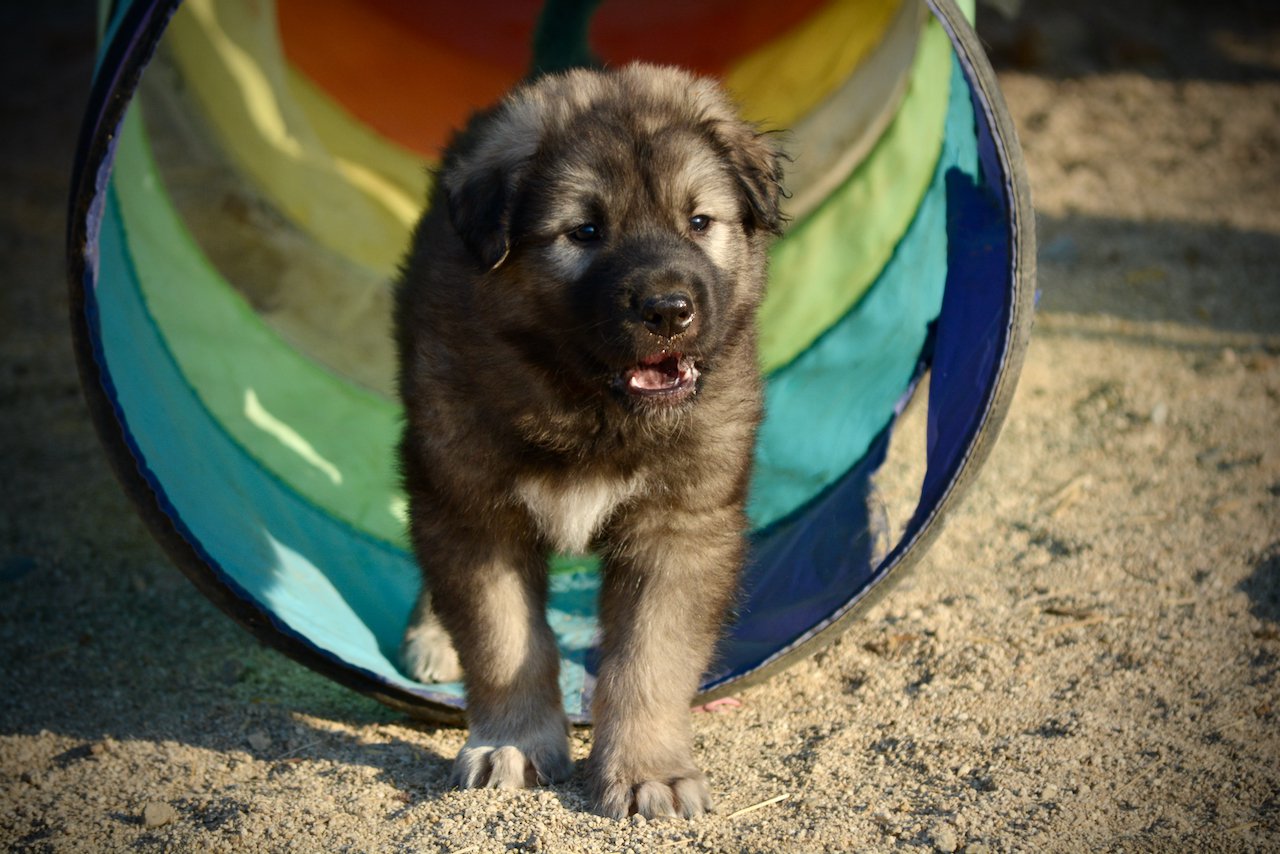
{"x":480,"y":206}
{"x":757,"y":163}
{"x":482,"y":176}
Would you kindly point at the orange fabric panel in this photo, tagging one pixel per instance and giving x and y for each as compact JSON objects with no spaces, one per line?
{"x":496,"y":32}
{"x":705,"y":36}
{"x":415,"y":69}
{"x":399,"y":80}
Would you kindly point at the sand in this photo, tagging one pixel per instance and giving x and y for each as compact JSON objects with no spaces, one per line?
{"x":1088,"y":658}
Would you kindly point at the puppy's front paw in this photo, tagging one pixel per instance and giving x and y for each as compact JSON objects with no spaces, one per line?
{"x":683,"y":793}
{"x":512,"y":763}
{"x":427,"y":654}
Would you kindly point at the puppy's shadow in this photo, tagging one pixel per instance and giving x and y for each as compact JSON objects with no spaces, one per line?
{"x":1262,"y":586}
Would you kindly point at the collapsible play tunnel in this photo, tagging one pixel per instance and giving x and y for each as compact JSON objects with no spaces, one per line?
{"x":238,"y":211}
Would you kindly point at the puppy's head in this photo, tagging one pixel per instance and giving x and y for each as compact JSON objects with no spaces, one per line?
{"x":622,"y":217}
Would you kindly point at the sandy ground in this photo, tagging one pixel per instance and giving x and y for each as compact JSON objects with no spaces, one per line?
{"x":1088,"y":659}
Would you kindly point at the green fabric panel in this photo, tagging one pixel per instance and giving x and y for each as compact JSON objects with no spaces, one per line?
{"x":328,"y":439}
{"x":827,"y":261}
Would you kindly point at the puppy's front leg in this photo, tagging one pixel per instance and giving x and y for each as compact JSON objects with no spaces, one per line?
{"x":491,"y":596}
{"x":668,"y":581}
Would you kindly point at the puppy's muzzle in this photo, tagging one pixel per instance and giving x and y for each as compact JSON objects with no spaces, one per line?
{"x":666,"y":374}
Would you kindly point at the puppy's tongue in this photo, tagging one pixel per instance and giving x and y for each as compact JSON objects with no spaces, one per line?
{"x":661,"y":372}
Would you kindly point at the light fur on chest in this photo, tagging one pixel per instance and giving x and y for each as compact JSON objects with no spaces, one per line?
{"x":569,"y":512}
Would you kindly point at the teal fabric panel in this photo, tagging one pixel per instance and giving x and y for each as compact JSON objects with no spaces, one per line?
{"x":824,"y":409}
{"x":258,"y":537}
{"x":344,"y":592}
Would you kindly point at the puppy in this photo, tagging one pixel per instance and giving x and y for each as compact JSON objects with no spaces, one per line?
{"x":576,"y":329}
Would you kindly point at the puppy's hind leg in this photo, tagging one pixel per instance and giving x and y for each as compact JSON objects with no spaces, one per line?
{"x":427,"y":652}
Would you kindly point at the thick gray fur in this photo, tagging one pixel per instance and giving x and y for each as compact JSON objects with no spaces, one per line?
{"x":549,"y":409}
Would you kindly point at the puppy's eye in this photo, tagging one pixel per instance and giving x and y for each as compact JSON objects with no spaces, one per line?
{"x":588,"y":232}
{"x":699,"y":223}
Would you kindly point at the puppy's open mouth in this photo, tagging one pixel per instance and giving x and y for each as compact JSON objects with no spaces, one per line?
{"x":663,"y":376}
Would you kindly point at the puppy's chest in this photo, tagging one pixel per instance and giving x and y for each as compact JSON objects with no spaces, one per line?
{"x":570,"y":511}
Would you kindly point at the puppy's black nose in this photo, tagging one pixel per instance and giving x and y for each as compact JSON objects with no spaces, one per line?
{"x":667,"y":315}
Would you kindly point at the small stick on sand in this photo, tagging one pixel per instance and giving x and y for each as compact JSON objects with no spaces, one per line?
{"x":755,"y":807}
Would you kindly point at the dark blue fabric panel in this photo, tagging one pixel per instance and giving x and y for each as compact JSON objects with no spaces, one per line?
{"x":802,"y":571}
{"x":972,"y":332}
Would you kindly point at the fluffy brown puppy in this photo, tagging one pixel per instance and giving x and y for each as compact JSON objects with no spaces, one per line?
{"x":576,"y":328}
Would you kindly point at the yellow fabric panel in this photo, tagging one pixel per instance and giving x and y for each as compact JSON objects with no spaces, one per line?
{"x":827,"y":144}
{"x":790,"y":76}
{"x":397,"y":176}
{"x":229,"y":52}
